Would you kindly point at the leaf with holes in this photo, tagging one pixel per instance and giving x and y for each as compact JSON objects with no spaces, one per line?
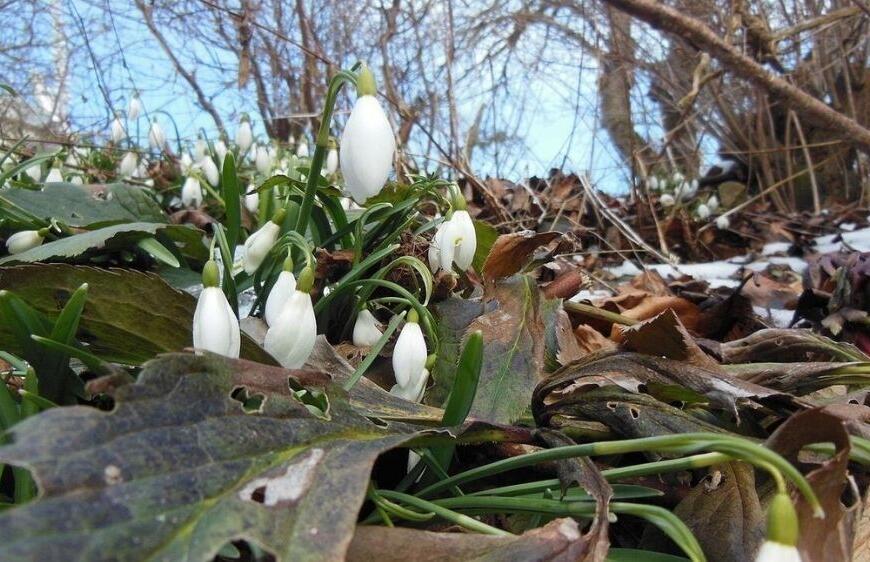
{"x":179,"y":468}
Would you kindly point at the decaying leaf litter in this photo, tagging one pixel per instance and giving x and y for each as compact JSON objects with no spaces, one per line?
{"x":587,"y":388}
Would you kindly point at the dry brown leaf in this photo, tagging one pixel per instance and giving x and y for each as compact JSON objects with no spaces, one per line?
{"x":511,"y":252}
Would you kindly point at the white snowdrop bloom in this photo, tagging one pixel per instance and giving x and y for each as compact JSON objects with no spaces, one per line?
{"x":156,"y":137}
{"x":35,"y":172}
{"x":259,"y":243}
{"x":281,"y":292}
{"x":366,"y":332}
{"x":77,"y":180}
{"x":264,"y":160}
{"x":412,"y":393}
{"x":72,"y":160}
{"x":252,"y":199}
{"x":134,"y":108}
{"x":200,"y":149}
{"x":142,"y":169}
{"x":302,"y":149}
{"x":185,"y":164}
{"x":409,"y":354}
{"x":454,"y":243}
{"x":118,"y":132}
{"x":191,"y":192}
{"x":702,"y":211}
{"x":667,"y":200}
{"x":291,"y":338}
{"x":215,"y":326}
{"x":220,"y":148}
{"x":713,"y":203}
{"x":24,"y":240}
{"x":367,"y":143}
{"x":653,"y":183}
{"x":331,"y":161}
{"x":244,"y":135}
{"x":677,"y":177}
{"x":783,"y":531}
{"x":209,"y":169}
{"x":54,"y":175}
{"x":722,"y":223}
{"x":775,"y":552}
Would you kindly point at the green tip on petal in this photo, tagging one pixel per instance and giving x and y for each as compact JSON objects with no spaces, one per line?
{"x":211,"y":275}
{"x":412,"y":317}
{"x":288,"y":264}
{"x":306,"y":280}
{"x":782,"y":520}
{"x":365,"y":82}
{"x":279,"y":215}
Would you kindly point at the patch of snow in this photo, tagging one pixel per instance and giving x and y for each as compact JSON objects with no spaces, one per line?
{"x":848,"y":226}
{"x":859,"y":239}
{"x":626,"y":269}
{"x":587,"y":295}
{"x":776,"y":316}
{"x":775,"y":248}
{"x":710,"y":270}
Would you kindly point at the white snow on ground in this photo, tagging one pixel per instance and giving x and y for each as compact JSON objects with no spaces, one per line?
{"x":776,"y":316}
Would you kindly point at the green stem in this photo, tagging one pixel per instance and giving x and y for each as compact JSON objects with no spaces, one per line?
{"x":462,"y":520}
{"x":373,"y":352}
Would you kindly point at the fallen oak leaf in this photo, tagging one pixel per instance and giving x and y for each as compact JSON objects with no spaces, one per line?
{"x":511,"y":252}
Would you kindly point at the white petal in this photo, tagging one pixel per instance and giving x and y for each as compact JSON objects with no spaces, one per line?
{"x":117,"y":131}
{"x":244,"y":137}
{"x":409,"y":355}
{"x":703,"y":211}
{"x":191,"y":193}
{"x":252,"y":200}
{"x":210,"y":171}
{"x":775,"y":552}
{"x":414,"y":391}
{"x":23,"y":240}
{"x":215,"y":327}
{"x":466,"y":239}
{"x":258,"y":245}
{"x":722,"y":223}
{"x":134,"y":109}
{"x":54,"y":175}
{"x":291,"y":339}
{"x":367,"y":148}
{"x":365,"y":330}
{"x":128,"y":165}
{"x":302,"y":149}
{"x":331,"y":161}
{"x":284,"y":286}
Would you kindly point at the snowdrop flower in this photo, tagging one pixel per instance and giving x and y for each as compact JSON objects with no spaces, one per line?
{"x":215,"y":326}
{"x":220,"y":148}
{"x":259,"y":243}
{"x":118,"y":132}
{"x":782,"y":532}
{"x":263,"y":160}
{"x":135,"y":108}
{"x":54,"y":175}
{"x":35,"y":172}
{"x":409,"y":357}
{"x":302,"y":149}
{"x":185,"y":164}
{"x":677,"y":177}
{"x":291,"y":337}
{"x":703,"y":212}
{"x":722,"y":223}
{"x":156,"y":138}
{"x":128,"y":165}
{"x":367,"y":143}
{"x":24,"y":240}
{"x":191,"y":192}
{"x":455,"y":241}
{"x":252,"y":199}
{"x":200,"y":148}
{"x":281,"y":292}
{"x":366,"y":332}
{"x":244,"y":135}
{"x":331,"y":161}
{"x":653,"y":183}
{"x":413,"y":393}
{"x":713,"y":203}
{"x":77,"y":180}
{"x":667,"y":200}
{"x":208,"y":167}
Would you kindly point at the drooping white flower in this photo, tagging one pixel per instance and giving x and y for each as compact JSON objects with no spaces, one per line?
{"x":24,"y":240}
{"x":220,"y":148}
{"x":667,"y":200}
{"x":185,"y":164}
{"x":259,"y":243}
{"x":713,"y":203}
{"x":244,"y":135}
{"x":54,"y":175}
{"x":677,"y":177}
{"x":118,"y":132}
{"x":208,"y":167}
{"x":412,"y":393}
{"x":409,"y":354}
{"x":200,"y":148}
{"x":191,"y":192}
{"x":366,"y":332}
{"x":367,"y":143}
{"x":77,"y":180}
{"x":775,"y":552}
{"x":35,"y":172}
{"x":331,"y":161}
{"x":291,"y":338}
{"x":128,"y":165}
{"x":703,"y":212}
{"x":215,"y":326}
{"x":263,"y":159}
{"x":281,"y":292}
{"x":723,"y":223}
{"x":135,"y":108}
{"x":653,"y":183}
{"x":302,"y":149}
{"x":454,"y":243}
{"x":252,"y":199}
{"x":156,"y":137}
